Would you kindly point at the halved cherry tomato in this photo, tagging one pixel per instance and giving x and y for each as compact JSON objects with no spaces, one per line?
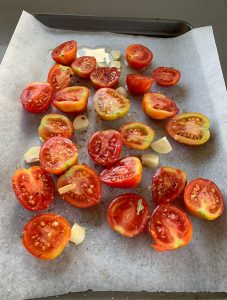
{"x":105,"y":77}
{"x":104,"y":147}
{"x":46,"y":235}
{"x":34,"y":188}
{"x":59,"y":77}
{"x":189,"y":128}
{"x":83,"y":66}
{"x":125,"y":173}
{"x":72,"y":99}
{"x":159,"y":106}
{"x":138,"y":56}
{"x":128,"y":214}
{"x":65,"y":53}
{"x":170,"y":228}
{"x":86,"y":190}
{"x":37,"y":97}
{"x":110,"y":104}
{"x":138,"y":84}
{"x":55,"y":125}
{"x":58,"y":154}
{"x":203,"y":199}
{"x":167,"y":185}
{"x":137,"y":135}
{"x":166,"y":76}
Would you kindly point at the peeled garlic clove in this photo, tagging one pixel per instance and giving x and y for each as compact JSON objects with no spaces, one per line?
{"x":66,"y":188}
{"x":122,"y":91}
{"x":115,"y":64}
{"x":150,"y":160}
{"x":32,"y":155}
{"x":77,"y":234}
{"x":161,"y":146}
{"x":100,"y":65}
{"x":80,"y":122}
{"x":116,"y":54}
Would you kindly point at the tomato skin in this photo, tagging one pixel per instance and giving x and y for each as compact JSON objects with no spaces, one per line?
{"x":125,"y":173}
{"x":36,"y":97}
{"x":170,"y":228}
{"x":138,"y":56}
{"x":83,"y":66}
{"x":105,"y":77}
{"x":189,"y":128}
{"x":87,"y":186}
{"x":203,"y":199}
{"x":46,"y":235}
{"x":166,"y":76}
{"x":34,"y":188}
{"x":125,"y":217}
{"x":59,"y":77}
{"x":104,"y":147}
{"x":159,"y":106}
{"x":65,"y":53}
{"x":72,"y":99}
{"x":138,"y":84}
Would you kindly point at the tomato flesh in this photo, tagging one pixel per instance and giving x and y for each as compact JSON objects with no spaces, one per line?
{"x":125,"y":173}
{"x":46,"y":235}
{"x":138,"y":56}
{"x":203,"y":199}
{"x":83,"y":66}
{"x":60,"y":77}
{"x":65,"y":53}
{"x":189,"y":128}
{"x":138,"y":84}
{"x":87,"y":186}
{"x":166,"y":76}
{"x":104,"y":147}
{"x":159,"y":106}
{"x":105,"y":77}
{"x":170,"y":228}
{"x":128,"y":214}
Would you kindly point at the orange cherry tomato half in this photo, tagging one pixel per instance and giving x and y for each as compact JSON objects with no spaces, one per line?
{"x":85,"y":186}
{"x":55,"y":125}
{"x":138,"y":84}
{"x":46,"y":235}
{"x":138,"y":56}
{"x":159,"y":106}
{"x":170,"y":228}
{"x":83,"y":66}
{"x":203,"y":199}
{"x":189,"y":128}
{"x":60,"y":77}
{"x":105,"y":77}
{"x":125,"y":173}
{"x":128,"y":214}
{"x":104,"y":147}
{"x":166,"y":76}
{"x":65,"y":53}
{"x":58,"y":154}
{"x":34,"y":188}
{"x":72,"y":99}
{"x":37,"y":97}
{"x":167,"y":185}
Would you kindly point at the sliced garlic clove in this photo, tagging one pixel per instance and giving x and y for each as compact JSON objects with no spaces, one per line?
{"x":150,"y":160}
{"x":32,"y":155}
{"x":140,"y":207}
{"x":77,"y":234}
{"x":80,"y":122}
{"x":66,"y":188}
{"x":116,"y":54}
{"x":122,"y":91}
{"x":115,"y":64}
{"x":161,"y":146}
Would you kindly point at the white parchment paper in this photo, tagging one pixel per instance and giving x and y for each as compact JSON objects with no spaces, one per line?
{"x":106,"y":261}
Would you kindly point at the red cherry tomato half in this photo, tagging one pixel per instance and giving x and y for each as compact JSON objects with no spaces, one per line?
{"x":83,"y":66}
{"x":85,"y":186}
{"x":58,"y":154}
{"x":104,"y":147}
{"x":159,"y":106}
{"x":33,"y":187}
{"x":46,"y":235}
{"x":60,"y":77}
{"x":65,"y":53}
{"x":37,"y":97}
{"x":203,"y":199}
{"x":138,"y":84}
{"x":167,"y":185}
{"x":138,"y":56}
{"x":126,"y":173}
{"x":105,"y":77}
{"x":166,"y":76}
{"x":72,"y":99}
{"x":170,"y":228}
{"x":128,"y":214}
